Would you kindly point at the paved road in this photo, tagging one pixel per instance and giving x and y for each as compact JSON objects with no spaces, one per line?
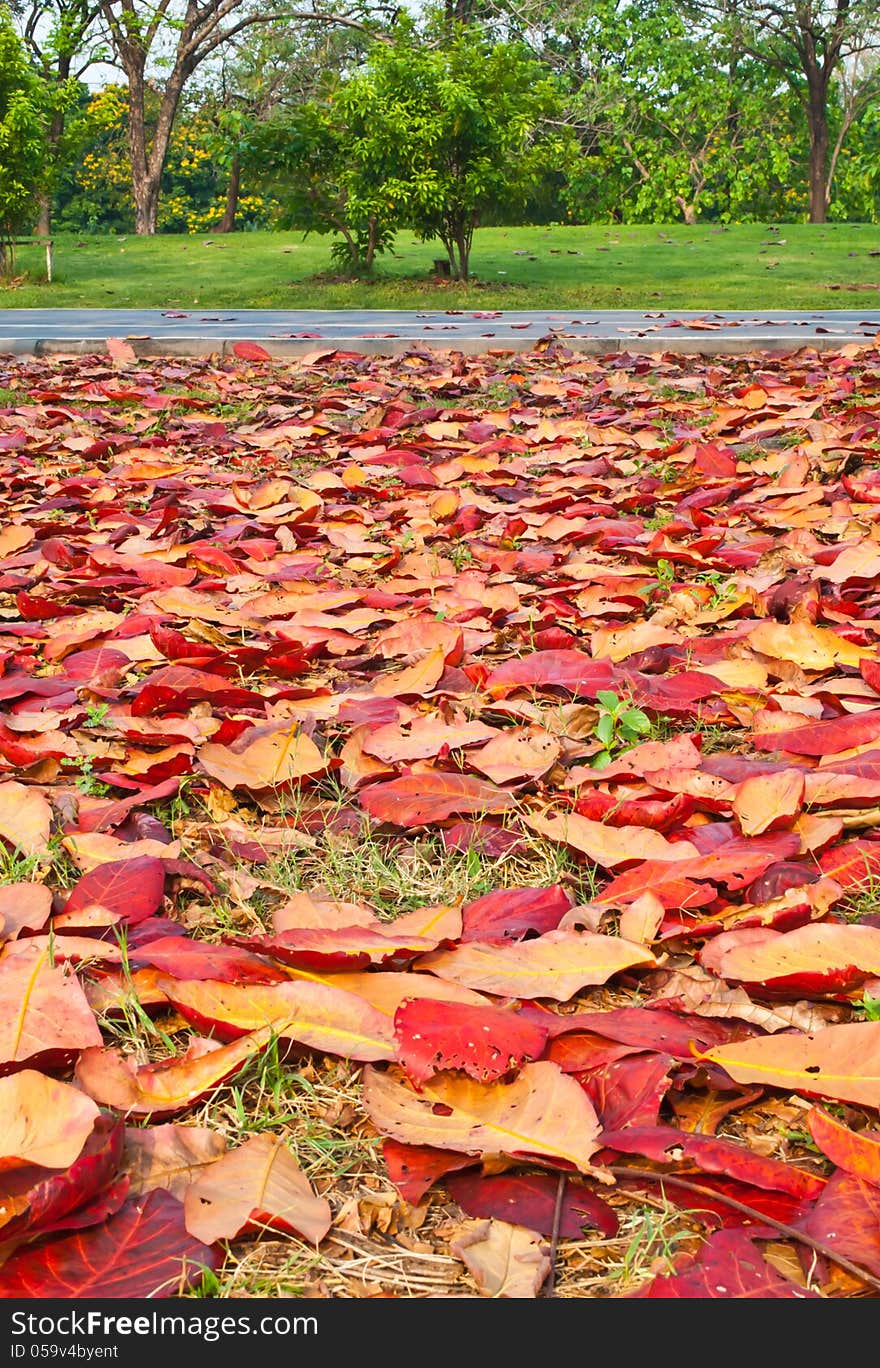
{"x":291,"y":332}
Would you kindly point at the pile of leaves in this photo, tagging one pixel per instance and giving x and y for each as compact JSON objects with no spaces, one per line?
{"x":606,"y":632}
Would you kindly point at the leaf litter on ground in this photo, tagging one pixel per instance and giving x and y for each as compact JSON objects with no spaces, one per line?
{"x":439,"y":802}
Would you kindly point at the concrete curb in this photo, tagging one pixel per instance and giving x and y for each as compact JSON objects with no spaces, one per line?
{"x":203,"y":347}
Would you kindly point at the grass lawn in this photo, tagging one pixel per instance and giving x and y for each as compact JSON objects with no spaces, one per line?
{"x":751,"y":266}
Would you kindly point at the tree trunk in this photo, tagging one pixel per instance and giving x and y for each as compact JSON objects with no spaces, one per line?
{"x":464,"y":255}
{"x":146,"y":204}
{"x":817,"y":118}
{"x":44,"y":217}
{"x":227,"y":222}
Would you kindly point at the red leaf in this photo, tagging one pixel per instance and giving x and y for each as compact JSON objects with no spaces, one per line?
{"x":143,"y":1251}
{"x":184,"y":958}
{"x":421,"y":800}
{"x":628,"y":1092}
{"x":573,"y":671}
{"x":35,"y":1198}
{"x":123,"y":890}
{"x":251,"y":351}
{"x":727,"y":1266}
{"x":653,"y":1028}
{"x":847,"y":1219}
{"x":415,"y":1168}
{"x":853,"y":863}
{"x":486,"y":1042}
{"x":823,"y":738}
{"x":529,"y":1199}
{"x":508,"y":913}
{"x":338,"y":948}
{"x":663,"y":1144}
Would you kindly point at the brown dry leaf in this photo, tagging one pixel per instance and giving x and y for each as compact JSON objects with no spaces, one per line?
{"x":542,"y":1112}
{"x":702,"y":993}
{"x":169,"y":1156}
{"x":259,"y":1184}
{"x":504,"y":1260}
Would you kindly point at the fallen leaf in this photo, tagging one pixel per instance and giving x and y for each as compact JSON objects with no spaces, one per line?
{"x":142,"y":1251}
{"x":540,"y":1113}
{"x":555,"y":965}
{"x":504,"y":1260}
{"x":259,"y":1185}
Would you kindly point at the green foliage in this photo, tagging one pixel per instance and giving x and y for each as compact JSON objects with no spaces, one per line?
{"x":448,"y":126}
{"x":436,"y":130}
{"x":619,"y":726}
{"x":25,"y":108}
{"x":308,"y":160}
{"x":678,"y":125}
{"x":94,"y":192}
{"x":870,"y":1006}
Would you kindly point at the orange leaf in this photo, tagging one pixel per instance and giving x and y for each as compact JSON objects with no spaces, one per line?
{"x":25,"y":818}
{"x":853,"y":1151}
{"x":555,"y":965}
{"x":325,"y":1018}
{"x":521,"y":753}
{"x":542,"y":1112}
{"x":156,"y":1089}
{"x":421,"y":799}
{"x":42,"y":1121}
{"x":44,"y":1015}
{"x":768,"y":801}
{"x":841,"y":1062}
{"x":819,"y":957}
{"x":608,"y":846}
{"x":270,"y":755}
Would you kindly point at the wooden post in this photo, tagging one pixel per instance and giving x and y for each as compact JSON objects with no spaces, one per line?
{"x":49,"y":261}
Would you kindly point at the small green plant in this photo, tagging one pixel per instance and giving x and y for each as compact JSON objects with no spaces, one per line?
{"x":870,"y":1006}
{"x":96,"y":714}
{"x":87,"y":782}
{"x":723,"y":590}
{"x":620,"y":726}
{"x":661,"y":519}
{"x":461,"y":555}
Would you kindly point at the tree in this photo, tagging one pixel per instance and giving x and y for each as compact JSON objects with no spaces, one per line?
{"x":141,"y":30}
{"x":813,"y":44}
{"x":674,"y":127}
{"x":310,"y":164}
{"x":62,"y":41}
{"x":25,"y":112}
{"x":446,"y":126}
